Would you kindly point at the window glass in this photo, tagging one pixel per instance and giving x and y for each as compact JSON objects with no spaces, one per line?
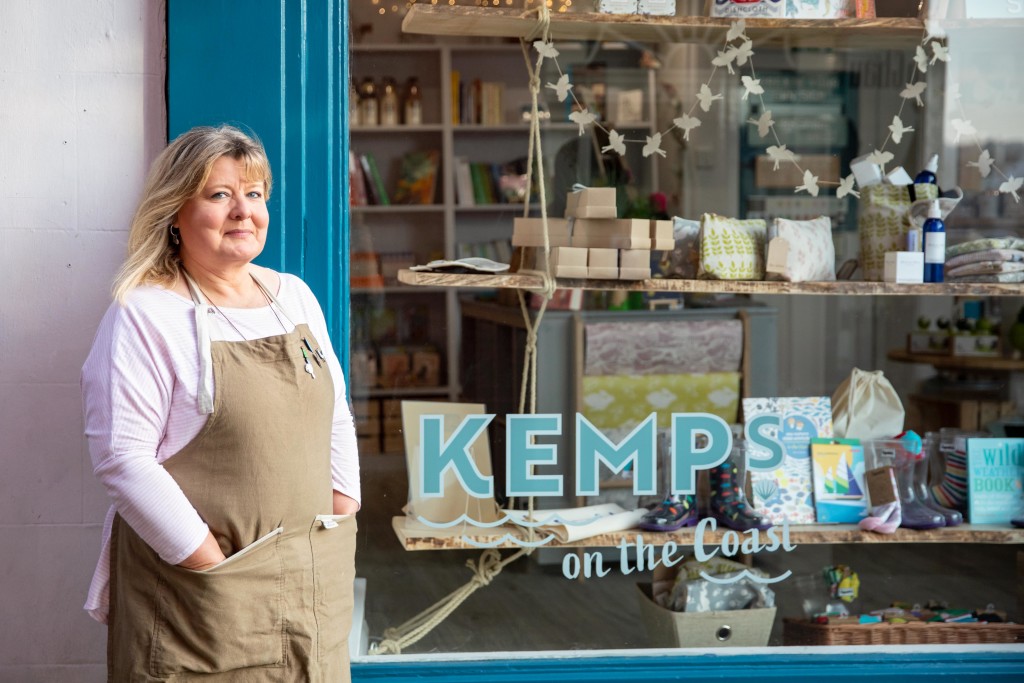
{"x":717,"y":386}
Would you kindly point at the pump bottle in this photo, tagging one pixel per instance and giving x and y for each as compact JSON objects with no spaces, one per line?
{"x":934,"y":244}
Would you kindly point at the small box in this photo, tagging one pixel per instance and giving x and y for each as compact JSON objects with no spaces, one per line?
{"x":565,"y":262}
{"x":426,"y":368}
{"x":603,"y":264}
{"x":617,"y":6}
{"x":663,"y":244}
{"x":395,"y":367}
{"x":634,"y":264}
{"x":734,"y":628}
{"x":529,"y":232}
{"x":612,"y":233}
{"x":591,"y":202}
{"x":904,"y":267}
{"x":363,"y":371}
{"x":658,"y":8}
{"x":661,"y":230}
{"x":391,"y":408}
{"x":976,"y":345}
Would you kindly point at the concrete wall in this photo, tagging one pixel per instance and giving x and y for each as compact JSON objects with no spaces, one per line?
{"x":82,"y":114}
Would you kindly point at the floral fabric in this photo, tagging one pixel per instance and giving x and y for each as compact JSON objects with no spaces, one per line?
{"x":663,"y":348}
{"x":812,"y":255}
{"x":731,"y":249}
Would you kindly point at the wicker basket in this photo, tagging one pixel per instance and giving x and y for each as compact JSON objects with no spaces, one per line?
{"x":800,"y":632}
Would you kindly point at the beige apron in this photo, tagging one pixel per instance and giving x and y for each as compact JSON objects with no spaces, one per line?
{"x":259,"y":474}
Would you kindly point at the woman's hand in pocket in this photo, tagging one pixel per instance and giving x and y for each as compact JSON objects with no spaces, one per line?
{"x":207,"y":555}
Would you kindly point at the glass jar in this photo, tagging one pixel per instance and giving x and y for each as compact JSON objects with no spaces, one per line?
{"x":412,"y":114}
{"x":389,"y":103}
{"x":368,"y":106}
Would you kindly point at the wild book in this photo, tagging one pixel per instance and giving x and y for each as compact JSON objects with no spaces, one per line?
{"x":995,"y":477}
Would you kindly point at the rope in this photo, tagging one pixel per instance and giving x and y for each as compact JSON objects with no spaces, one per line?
{"x":490,"y":564}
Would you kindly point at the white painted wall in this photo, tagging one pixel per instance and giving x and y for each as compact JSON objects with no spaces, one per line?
{"x":82,"y":114}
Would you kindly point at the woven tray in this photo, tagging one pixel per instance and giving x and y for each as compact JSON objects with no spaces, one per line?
{"x":800,"y":632}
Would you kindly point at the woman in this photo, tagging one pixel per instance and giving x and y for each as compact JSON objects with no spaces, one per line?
{"x":216,"y":416}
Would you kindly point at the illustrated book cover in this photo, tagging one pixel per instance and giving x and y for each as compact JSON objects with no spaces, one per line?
{"x":838,"y":467}
{"x":995,"y":476}
{"x":787,"y":493}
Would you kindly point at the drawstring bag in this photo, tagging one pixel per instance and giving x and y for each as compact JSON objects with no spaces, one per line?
{"x":865,"y":407}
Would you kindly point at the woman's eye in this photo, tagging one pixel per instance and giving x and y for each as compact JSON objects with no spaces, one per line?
{"x":255,"y":194}
{"x":218,"y":195}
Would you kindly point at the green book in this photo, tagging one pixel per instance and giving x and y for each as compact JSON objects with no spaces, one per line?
{"x":378,"y":184}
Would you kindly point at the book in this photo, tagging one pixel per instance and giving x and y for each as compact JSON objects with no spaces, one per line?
{"x":374,"y":183}
{"x":995,"y":480}
{"x":356,"y":182}
{"x":456,"y":102}
{"x":838,"y":469}
{"x":418,"y":178}
{"x":787,"y":493}
{"x":463,"y":183}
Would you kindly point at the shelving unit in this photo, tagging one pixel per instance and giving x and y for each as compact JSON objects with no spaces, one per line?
{"x":841,"y":288}
{"x":967,"y":363}
{"x":416,"y":536}
{"x":435,"y":230}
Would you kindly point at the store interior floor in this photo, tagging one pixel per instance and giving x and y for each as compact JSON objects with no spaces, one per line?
{"x":532,"y":607}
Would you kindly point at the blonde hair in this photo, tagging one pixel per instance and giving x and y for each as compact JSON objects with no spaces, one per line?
{"x":177,"y":175}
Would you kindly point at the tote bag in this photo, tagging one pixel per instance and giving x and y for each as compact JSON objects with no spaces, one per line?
{"x":865,"y":406}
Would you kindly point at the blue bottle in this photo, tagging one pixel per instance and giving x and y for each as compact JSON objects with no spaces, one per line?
{"x":927,"y":176}
{"x":934,"y":244}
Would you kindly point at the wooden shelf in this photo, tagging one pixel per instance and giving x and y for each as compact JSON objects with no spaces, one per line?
{"x":843,"y":288}
{"x":947,"y":362}
{"x":398,"y":208}
{"x":377,"y":392}
{"x":866,"y":34}
{"x":396,"y":289}
{"x":415,"y":536}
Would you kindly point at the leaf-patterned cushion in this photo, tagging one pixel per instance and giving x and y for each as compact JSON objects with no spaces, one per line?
{"x":731,"y":249}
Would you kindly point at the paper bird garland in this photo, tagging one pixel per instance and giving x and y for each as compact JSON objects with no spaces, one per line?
{"x":653,"y":146}
{"x":738,"y":51}
{"x":616,"y":143}
{"x":686,"y":123}
{"x":705,"y":97}
{"x":898,"y":129}
{"x":983,"y":164}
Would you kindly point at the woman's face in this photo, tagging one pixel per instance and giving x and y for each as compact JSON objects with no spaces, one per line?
{"x":226,"y":223}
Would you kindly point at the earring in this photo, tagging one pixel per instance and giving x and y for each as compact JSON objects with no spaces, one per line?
{"x":175,"y":235}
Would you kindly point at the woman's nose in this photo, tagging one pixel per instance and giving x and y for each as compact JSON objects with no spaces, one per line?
{"x":241,"y":210}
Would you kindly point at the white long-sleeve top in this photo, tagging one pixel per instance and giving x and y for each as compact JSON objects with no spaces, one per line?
{"x":140,"y":388}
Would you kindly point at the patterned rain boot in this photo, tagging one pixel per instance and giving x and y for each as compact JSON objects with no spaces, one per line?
{"x":673,"y":513}
{"x":728,"y":504}
{"x":921,"y":491}
{"x":916,"y":515}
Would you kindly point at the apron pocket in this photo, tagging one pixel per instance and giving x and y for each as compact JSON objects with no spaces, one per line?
{"x":228,"y":617}
{"x":333,"y":540}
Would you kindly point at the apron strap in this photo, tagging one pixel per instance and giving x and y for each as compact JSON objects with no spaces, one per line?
{"x":202,"y":313}
{"x":273,"y":299}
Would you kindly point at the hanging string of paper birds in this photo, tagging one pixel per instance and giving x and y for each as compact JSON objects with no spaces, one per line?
{"x":738,"y":52}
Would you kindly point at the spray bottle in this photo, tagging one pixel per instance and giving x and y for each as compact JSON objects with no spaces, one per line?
{"x":934,"y":244}
{"x":927,"y":176}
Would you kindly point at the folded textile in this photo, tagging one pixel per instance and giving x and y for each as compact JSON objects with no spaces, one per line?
{"x":1017,"y":276}
{"x":984,"y":245}
{"x":987,"y":255}
{"x":984,"y":268}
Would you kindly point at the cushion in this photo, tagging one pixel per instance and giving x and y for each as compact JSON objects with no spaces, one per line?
{"x":811,"y":254}
{"x":731,"y":249}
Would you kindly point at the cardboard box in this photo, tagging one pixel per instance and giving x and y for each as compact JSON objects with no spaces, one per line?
{"x":663,"y":244}
{"x":736,"y":628}
{"x":634,"y":264}
{"x":661,"y":230}
{"x":363,"y":370}
{"x":603,"y":264}
{"x":592,"y":202}
{"x":426,"y":368}
{"x":904,"y":267}
{"x":986,"y":345}
{"x":529,"y":232}
{"x":565,"y":261}
{"x":395,"y":367}
{"x":612,"y":233}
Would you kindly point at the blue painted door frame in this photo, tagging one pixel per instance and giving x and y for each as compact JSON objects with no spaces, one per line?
{"x":279,"y":69}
